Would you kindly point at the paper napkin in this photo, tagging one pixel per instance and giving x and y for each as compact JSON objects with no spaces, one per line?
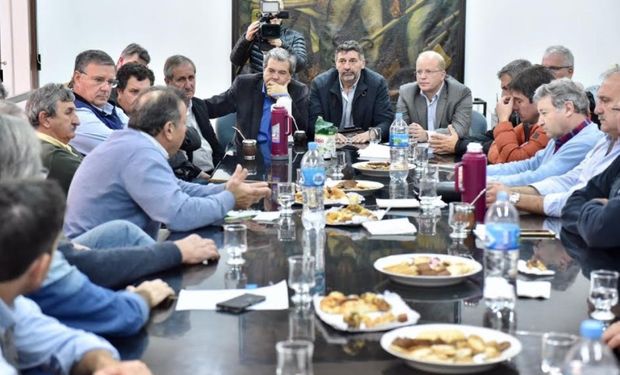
{"x":387,"y":227}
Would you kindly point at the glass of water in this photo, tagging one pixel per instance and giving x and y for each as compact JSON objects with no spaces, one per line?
{"x":555,"y":346}
{"x":301,"y":277}
{"x":603,"y":293}
{"x":341,"y":163}
{"x":294,"y":357}
{"x":460,"y":215}
{"x":286,"y":196}
{"x":235,"y":243}
{"x":420,"y":157}
{"x":428,"y":187}
{"x":374,"y":135}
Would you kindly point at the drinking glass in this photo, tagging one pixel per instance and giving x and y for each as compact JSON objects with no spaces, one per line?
{"x":460,"y":215}
{"x":413,"y":143}
{"x":235,"y":243}
{"x":374,"y":135}
{"x":286,"y":229}
{"x":301,"y":323}
{"x":301,"y":277}
{"x":300,"y":179}
{"x":341,"y":163}
{"x":603,"y":293}
{"x":235,"y":278}
{"x":428,"y":187}
{"x":420,"y":157}
{"x":286,"y":196}
{"x":294,"y":357}
{"x":555,"y":346}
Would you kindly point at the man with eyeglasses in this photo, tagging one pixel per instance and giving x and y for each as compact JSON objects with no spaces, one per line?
{"x":560,"y":61}
{"x":351,"y":96}
{"x":94,"y":77}
{"x":435,"y":100}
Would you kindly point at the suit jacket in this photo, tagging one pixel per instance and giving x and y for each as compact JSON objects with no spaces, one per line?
{"x":201,"y":112}
{"x":453,"y":106}
{"x":246,"y":98}
{"x":371,"y":104}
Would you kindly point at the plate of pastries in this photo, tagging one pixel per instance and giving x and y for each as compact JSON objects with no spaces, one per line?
{"x":351,"y":215}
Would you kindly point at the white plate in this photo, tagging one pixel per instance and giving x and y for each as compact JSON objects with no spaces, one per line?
{"x":357,"y":219}
{"x":362,"y":187}
{"x":398,"y":307}
{"x":361,"y":166}
{"x":445,"y":368}
{"x":426,"y":280}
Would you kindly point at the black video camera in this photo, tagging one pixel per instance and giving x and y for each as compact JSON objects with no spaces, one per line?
{"x":266,"y":30}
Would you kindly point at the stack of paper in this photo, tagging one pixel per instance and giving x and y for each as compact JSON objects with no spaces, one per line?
{"x":388,"y":227}
{"x":398,"y":203}
{"x":375,"y":152}
{"x":276,"y":298}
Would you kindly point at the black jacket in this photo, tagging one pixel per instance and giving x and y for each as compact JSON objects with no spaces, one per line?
{"x":292,"y":41}
{"x":371,"y":104}
{"x":246,"y":98}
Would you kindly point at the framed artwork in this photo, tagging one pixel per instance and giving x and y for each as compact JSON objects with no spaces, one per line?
{"x":392,"y":32}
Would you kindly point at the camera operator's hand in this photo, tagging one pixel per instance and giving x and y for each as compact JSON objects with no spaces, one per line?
{"x":275,"y":89}
{"x":275,"y":42}
{"x":252,"y":30}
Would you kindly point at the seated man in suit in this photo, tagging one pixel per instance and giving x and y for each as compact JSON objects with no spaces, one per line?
{"x":351,"y":96}
{"x":251,"y":96}
{"x":435,"y":100}
{"x":180,"y":72}
{"x":128,"y":176}
{"x":592,"y":212}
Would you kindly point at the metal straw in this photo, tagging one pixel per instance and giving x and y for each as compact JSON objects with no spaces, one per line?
{"x":478,"y":196}
{"x":239,"y":131}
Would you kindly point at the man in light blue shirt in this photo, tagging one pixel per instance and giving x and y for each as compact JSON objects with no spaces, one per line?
{"x":563,"y":108}
{"x":32,"y":212}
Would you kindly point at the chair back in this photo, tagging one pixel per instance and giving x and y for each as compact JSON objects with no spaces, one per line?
{"x":224,"y":128}
{"x":478,"y":123}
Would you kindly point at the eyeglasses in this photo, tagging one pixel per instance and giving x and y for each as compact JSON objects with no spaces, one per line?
{"x":427,"y":72}
{"x":554,"y":68}
{"x":100,"y":81}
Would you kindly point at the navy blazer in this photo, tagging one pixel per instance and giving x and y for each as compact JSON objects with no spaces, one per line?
{"x":246,"y":98}
{"x":371,"y":103}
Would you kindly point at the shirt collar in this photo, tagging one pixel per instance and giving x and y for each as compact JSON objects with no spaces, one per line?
{"x":352,"y":87}
{"x":7,"y":318}
{"x":158,"y":145}
{"x":434,"y":96}
{"x":567,"y":137}
{"x":55,"y":142}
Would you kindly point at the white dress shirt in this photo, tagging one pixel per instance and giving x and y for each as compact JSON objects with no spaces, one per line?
{"x":202,"y":157}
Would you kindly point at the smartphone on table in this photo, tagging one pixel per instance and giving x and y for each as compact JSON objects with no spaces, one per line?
{"x":239,"y":304}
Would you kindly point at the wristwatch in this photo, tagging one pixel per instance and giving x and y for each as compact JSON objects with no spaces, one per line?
{"x":514,"y":197}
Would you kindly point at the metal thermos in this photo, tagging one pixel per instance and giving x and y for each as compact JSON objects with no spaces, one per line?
{"x":280,"y":130}
{"x":470,"y":178}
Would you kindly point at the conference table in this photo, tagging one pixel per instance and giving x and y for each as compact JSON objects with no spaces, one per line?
{"x":210,"y":342}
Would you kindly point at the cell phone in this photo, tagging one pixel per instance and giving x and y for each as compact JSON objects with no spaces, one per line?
{"x":239,"y":304}
{"x":545,"y":233}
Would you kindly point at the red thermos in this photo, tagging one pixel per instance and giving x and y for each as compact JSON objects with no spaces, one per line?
{"x":471,"y":178}
{"x":280,"y":130}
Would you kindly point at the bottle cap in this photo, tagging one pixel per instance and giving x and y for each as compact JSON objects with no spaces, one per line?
{"x":312,"y":146}
{"x":591,"y":329}
{"x":474,"y":147}
{"x":502,"y":196}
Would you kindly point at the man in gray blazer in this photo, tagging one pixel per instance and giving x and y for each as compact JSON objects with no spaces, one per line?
{"x":435,"y":100}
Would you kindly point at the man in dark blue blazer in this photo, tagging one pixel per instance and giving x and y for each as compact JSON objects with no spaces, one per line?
{"x":351,"y":96}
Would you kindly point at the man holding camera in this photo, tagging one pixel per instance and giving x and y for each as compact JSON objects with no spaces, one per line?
{"x":265,"y":34}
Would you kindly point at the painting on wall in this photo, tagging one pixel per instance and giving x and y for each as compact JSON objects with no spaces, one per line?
{"x":392,"y":32}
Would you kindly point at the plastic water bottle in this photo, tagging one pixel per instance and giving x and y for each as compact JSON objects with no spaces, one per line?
{"x":501,"y":253}
{"x":589,"y":355}
{"x":313,"y":171}
{"x":399,"y":149}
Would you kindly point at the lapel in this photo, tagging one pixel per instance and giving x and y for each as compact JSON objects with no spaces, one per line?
{"x":419,"y":104}
{"x":442,"y":102}
{"x":335,"y":104}
{"x":257,"y":107}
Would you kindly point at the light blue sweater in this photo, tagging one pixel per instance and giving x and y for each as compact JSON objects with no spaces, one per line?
{"x":128,"y":177}
{"x":545,"y":163}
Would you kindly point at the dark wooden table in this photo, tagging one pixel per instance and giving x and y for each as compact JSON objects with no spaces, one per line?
{"x":208,"y":342}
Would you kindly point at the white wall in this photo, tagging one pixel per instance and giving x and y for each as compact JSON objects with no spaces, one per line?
{"x":200,"y":30}
{"x":496,"y":32}
{"x":500,"y":31}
